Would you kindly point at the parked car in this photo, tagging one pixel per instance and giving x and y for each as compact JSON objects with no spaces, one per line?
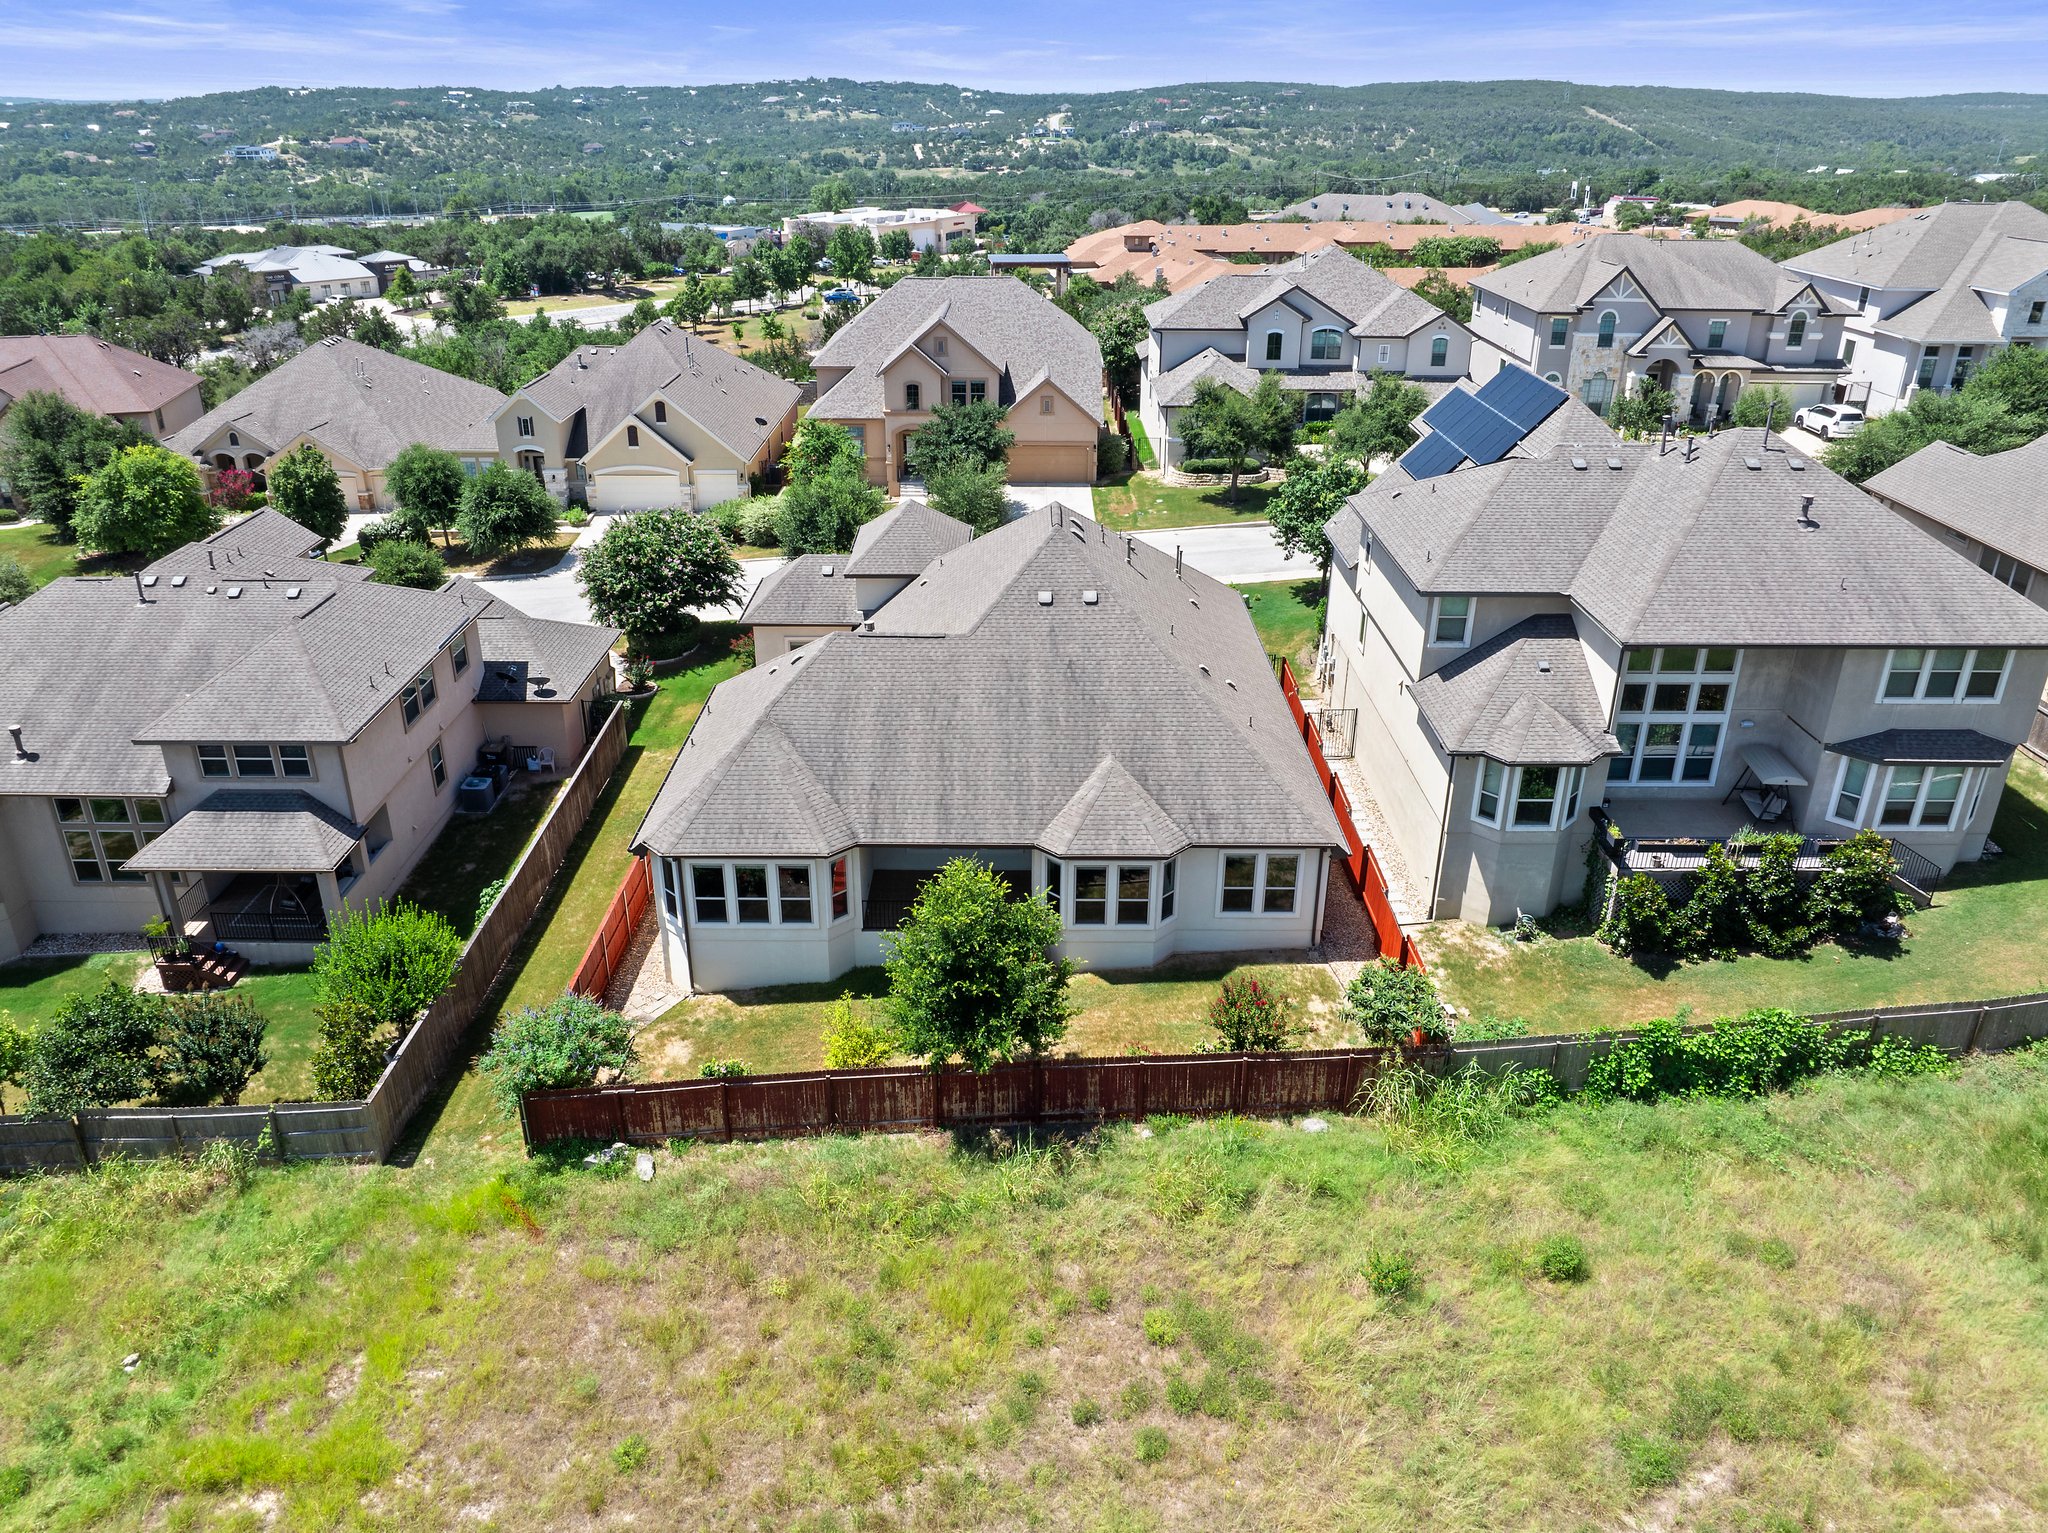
{"x":842,"y":295}
{"x":1829,"y":421}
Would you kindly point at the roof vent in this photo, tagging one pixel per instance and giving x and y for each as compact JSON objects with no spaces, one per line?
{"x":1806,"y":516}
{"x":177,"y":581}
{"x":828,"y":569}
{"x":1579,"y":463}
{"x":1797,"y":465}
{"x":291,"y":593}
{"x":1753,"y":464}
{"x":1045,"y":598}
{"x":233,"y":592}
{"x":1543,"y":667}
{"x":149,"y":580}
{"x":1090,"y":598}
{"x":1614,"y":462}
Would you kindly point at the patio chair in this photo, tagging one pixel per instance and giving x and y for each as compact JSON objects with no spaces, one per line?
{"x":541,"y":759}
{"x":1765,"y":806}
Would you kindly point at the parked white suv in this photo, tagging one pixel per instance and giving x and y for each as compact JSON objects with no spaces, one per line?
{"x":1829,"y":421}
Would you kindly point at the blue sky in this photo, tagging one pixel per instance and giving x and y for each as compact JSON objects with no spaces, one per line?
{"x":177,"y":47}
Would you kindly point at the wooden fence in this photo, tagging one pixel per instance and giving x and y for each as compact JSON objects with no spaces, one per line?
{"x":2037,"y":735}
{"x":363,"y":1130}
{"x":1367,"y":877}
{"x":1052,"y":1092}
{"x":614,"y":936}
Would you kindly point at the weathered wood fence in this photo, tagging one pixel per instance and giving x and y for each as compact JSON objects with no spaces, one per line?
{"x":363,"y":1130}
{"x":614,"y":936}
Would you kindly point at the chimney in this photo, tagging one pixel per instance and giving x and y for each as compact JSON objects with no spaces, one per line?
{"x":20,"y":750}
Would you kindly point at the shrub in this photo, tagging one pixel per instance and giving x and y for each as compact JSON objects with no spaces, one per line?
{"x":760,"y":522}
{"x":1855,"y":886}
{"x":1763,"y":1050}
{"x":1487,"y":1028}
{"x":143,"y":500}
{"x":854,"y":1042}
{"x":304,"y":486}
{"x":968,"y":492}
{"x":401,"y":526}
{"x":1250,"y":1018}
{"x":96,"y":1052}
{"x":1715,"y":918}
{"x":820,"y":514}
{"x":15,"y":585}
{"x":723,"y":1069}
{"x":211,"y":1044}
{"x":1562,"y":1259}
{"x":399,"y":563}
{"x":1387,"y":1003}
{"x":650,"y":569}
{"x":1217,"y":466}
{"x":233,"y":489}
{"x":350,"y":1054}
{"x":1642,"y":922}
{"x":1391,"y":1273}
{"x":571,"y":1041}
{"x":1112,"y":455}
{"x":1774,"y":907}
{"x":1149,"y":1444}
{"x":379,"y":968}
{"x":14,"y":1047}
{"x":970,"y":434}
{"x":487,"y":897}
{"x":1086,"y":1413}
{"x":631,"y":1455}
{"x":502,"y":511}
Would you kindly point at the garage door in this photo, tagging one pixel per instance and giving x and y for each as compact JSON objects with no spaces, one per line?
{"x":1052,"y":463}
{"x":717,"y":484}
{"x":637,"y":492}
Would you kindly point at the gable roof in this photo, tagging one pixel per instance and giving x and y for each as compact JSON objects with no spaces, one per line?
{"x":1020,"y":332}
{"x":93,"y":374}
{"x":904,"y":541}
{"x":527,"y":659}
{"x":1372,"y":304}
{"x":810,"y":591}
{"x":364,"y":404}
{"x":1674,"y":273}
{"x":2000,"y":498}
{"x":1524,"y":697}
{"x":971,"y":714}
{"x":1396,"y":207}
{"x":741,"y":405}
{"x":1954,"y":253}
{"x":1177,"y":386}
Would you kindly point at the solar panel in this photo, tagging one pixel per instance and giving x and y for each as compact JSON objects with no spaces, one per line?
{"x":1522,"y":397}
{"x":1483,"y":434}
{"x":1482,"y":426}
{"x":1431,"y":456}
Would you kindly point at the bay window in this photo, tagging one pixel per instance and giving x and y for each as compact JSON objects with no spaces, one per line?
{"x":1528,"y":797}
{"x":842,"y":894}
{"x":1671,"y":716}
{"x":1949,"y":675}
{"x":1923,"y":797}
{"x":1260,"y":883}
{"x":1850,"y":786}
{"x":760,"y":893}
{"x":1169,"y":877}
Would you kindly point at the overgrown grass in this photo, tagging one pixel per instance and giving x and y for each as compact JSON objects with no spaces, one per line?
{"x":1141,"y":441}
{"x":1811,"y":1310}
{"x":1980,"y":939}
{"x":1138,"y":504}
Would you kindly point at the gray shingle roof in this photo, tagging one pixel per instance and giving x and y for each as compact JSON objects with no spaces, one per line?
{"x":1377,"y":207}
{"x":1662,"y":551}
{"x":738,"y":403}
{"x":802,"y":594}
{"x":1677,"y":274}
{"x":2000,"y":498}
{"x":528,"y":659}
{"x":1177,"y":387}
{"x":93,"y":374}
{"x":1524,"y":697}
{"x":1948,"y":747}
{"x":973,"y":715}
{"x":904,"y":541}
{"x":252,"y":830}
{"x":1373,"y":303}
{"x":365,"y":404}
{"x":1019,"y":331}
{"x":1949,"y":252}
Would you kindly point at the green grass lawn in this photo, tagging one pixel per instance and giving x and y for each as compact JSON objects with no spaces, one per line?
{"x":1137,"y":504}
{"x":45,"y":559}
{"x":1139,"y":440}
{"x":1288,"y":616}
{"x":470,"y":854}
{"x":1982,"y":938}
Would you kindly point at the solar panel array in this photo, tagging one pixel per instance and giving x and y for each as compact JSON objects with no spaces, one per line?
{"x":1481,"y":427}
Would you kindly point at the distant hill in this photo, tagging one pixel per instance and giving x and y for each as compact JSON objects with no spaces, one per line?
{"x":766,"y":144}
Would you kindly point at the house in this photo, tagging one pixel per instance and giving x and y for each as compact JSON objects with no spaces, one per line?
{"x":360,"y":406}
{"x":1933,"y":296}
{"x":242,"y":739}
{"x":386,"y":264}
{"x":251,"y":151}
{"x":929,"y":341}
{"x":1992,"y":509}
{"x":1376,"y":207}
{"x":1702,"y":318}
{"x":99,"y":376}
{"x":325,"y":271}
{"x":1658,"y":628}
{"x":928,"y":228}
{"x":816,"y":594}
{"x":1077,"y":710}
{"x":1733,"y":217}
{"x":1324,"y":322}
{"x":664,"y":420}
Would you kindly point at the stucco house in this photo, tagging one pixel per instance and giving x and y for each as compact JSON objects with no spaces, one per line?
{"x":242,"y":738}
{"x":929,"y":341}
{"x":99,"y":376}
{"x":1078,"y":710}
{"x":1658,"y":628}
{"x":1703,"y":318}
{"x":1992,"y":509}
{"x":927,"y":228}
{"x":816,"y":594}
{"x":1324,"y":322}
{"x":665,"y":420}
{"x":360,"y":406}
{"x":324,"y":271}
{"x":1933,"y":296}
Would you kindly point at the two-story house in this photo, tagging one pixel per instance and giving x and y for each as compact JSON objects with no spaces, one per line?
{"x":1660,"y":627}
{"x":1932,"y":297}
{"x":1325,"y":322}
{"x":243,"y":739}
{"x":931,"y":341}
{"x":1704,"y":319}
{"x":99,"y":376}
{"x":664,"y":420}
{"x":816,"y":594}
{"x":324,"y":271}
{"x":1991,"y":508}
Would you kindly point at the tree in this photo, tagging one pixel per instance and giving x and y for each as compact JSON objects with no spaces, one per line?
{"x":96,"y":1052}
{"x":1975,"y":422}
{"x":571,"y":1041}
{"x":1766,"y":404}
{"x":47,"y":444}
{"x":2018,"y":375}
{"x":209,"y":1047}
{"x":832,"y":195}
{"x":819,"y":447}
{"x":1217,"y":208}
{"x":1454,"y":298}
{"x":402,"y":562}
{"x":1387,"y":1003}
{"x":470,"y":303}
{"x":1222,"y":423}
{"x":1379,"y":423}
{"x":971,"y":971}
{"x":820,"y":514}
{"x":222,"y":378}
{"x":972,"y":433}
{"x":379,"y":968}
{"x":690,"y":302}
{"x":640,"y":316}
{"x":502,"y":511}
{"x":304,"y":486}
{"x":402,"y":289}
{"x":851,"y":251}
{"x":15,"y":584}
{"x":427,"y":483}
{"x":145,"y":500}
{"x":968,"y":492}
{"x":895,"y":245}
{"x":749,"y":281}
{"x":790,"y":267}
{"x":649,"y":570}
{"x":1119,"y":329}
{"x":373,"y":327}
{"x":1310,"y":497}
{"x":1641,"y":412}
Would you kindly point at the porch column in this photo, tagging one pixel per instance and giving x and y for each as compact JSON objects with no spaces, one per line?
{"x":167,"y":902}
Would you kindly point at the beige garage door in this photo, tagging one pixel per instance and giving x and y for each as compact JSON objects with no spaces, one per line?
{"x":637,"y":492}
{"x":1052,"y":463}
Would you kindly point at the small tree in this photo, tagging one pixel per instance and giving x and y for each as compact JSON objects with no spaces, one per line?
{"x":650,"y":569}
{"x":571,"y":1041}
{"x":971,"y":971}
{"x":690,"y":302}
{"x":968,"y":433}
{"x":820,"y":515}
{"x":145,"y":500}
{"x":855,"y":1042}
{"x":1378,"y":425}
{"x":402,"y":562}
{"x":1388,"y":1003}
{"x":1641,"y":413}
{"x":1767,"y":404}
{"x":14,"y":1051}
{"x":972,"y":493}
{"x":350,"y":1054}
{"x":895,"y":245}
{"x":1454,"y":298}
{"x":388,"y":962}
{"x":211,"y":1045}
{"x":15,"y":584}
{"x":1250,"y":1018}
{"x":851,"y":250}
{"x":427,"y":483}
{"x":818,"y":447}
{"x":402,"y":290}
{"x":304,"y":486}
{"x":233,"y":489}
{"x":1310,"y":497}
{"x":96,"y":1052}
{"x":502,"y":511}
{"x":46,"y":444}
{"x":1222,"y":423}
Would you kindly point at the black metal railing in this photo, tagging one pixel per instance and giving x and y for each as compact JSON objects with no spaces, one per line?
{"x":255,"y":923}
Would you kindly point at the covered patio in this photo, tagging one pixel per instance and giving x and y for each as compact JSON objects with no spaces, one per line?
{"x":892,"y":888}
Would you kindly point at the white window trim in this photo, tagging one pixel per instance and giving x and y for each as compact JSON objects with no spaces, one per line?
{"x":1435,"y":613}
{"x":1802,"y":321}
{"x":1854,"y":822}
{"x":1605,"y":334}
{"x":730,"y":880}
{"x":1499,"y":790}
{"x":143,"y":831}
{"x":1884,"y":676}
{"x":1927,"y":769}
{"x":234,"y":771}
{"x":1386,"y":354}
{"x":1258,"y":910}
{"x":2017,"y":573}
{"x":1316,"y":334}
{"x":1571,"y":795}
{"x":1622,"y":773}
{"x":1711,"y":346}
{"x":1155,"y":876}
{"x":1560,"y":330}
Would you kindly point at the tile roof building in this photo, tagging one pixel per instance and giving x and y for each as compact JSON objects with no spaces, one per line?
{"x":99,"y":376}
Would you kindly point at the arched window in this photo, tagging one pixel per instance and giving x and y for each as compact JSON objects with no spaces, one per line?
{"x":660,"y":412}
{"x":1274,"y":341}
{"x":1596,"y":393}
{"x":1439,"y":351}
{"x":1325,"y":345}
{"x":632,"y":436}
{"x":1607,"y":323}
{"x":1552,"y":378}
{"x":1795,"y":333}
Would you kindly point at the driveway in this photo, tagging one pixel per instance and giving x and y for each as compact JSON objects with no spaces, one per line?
{"x":554,"y":593}
{"x":1242,"y":553}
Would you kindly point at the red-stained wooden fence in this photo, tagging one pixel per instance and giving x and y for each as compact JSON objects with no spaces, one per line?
{"x":614,"y":935}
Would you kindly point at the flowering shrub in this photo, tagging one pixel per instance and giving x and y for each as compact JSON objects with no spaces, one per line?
{"x":233,"y":489}
{"x":1250,"y":1018}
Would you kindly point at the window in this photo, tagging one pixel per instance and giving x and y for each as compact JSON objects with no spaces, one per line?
{"x":1440,"y":351}
{"x":1261,"y":883}
{"x":1052,"y":885}
{"x":1325,"y":345}
{"x":707,"y":891}
{"x":1717,"y":335}
{"x":1928,"y":359}
{"x":1091,"y":896}
{"x":1535,"y":797}
{"x":1275,"y":342}
{"x":1133,"y":896}
{"x":1966,"y":358}
{"x":1320,"y":407}
{"x":1045,"y":404}
{"x":750,"y":891}
{"x":1848,"y":351}
{"x":234,"y":440}
{"x":1596,"y":393}
{"x":213,"y":761}
{"x":2035,"y":310}
{"x":1282,"y":873}
{"x":1922,"y":796}
{"x":671,"y":899}
{"x":254,"y":761}
{"x":2015,"y":574}
{"x":294,"y":761}
{"x":437,"y":764}
{"x":1169,"y":878}
{"x":1863,"y":298}
{"x":938,"y":345}
{"x":842,"y":897}
{"x":959,"y":391}
{"x":102,"y":833}
{"x":632,"y":436}
{"x":793,"y":893}
{"x":458,"y":652}
{"x":1486,"y":802}
{"x":860,"y":438}
{"x":1795,"y":333}
{"x":913,"y":396}
{"x":525,"y":423}
{"x":977,"y":389}
{"x":1451,"y":620}
{"x":1552,"y":378}
{"x":246,"y":760}
{"x":1671,"y":717}
{"x":1945,"y":675}
{"x":1850,"y":786}
{"x":661,"y":412}
{"x":1386,"y":353}
{"x":1560,"y":329}
{"x":418,"y":696}
{"x":1240,"y":883}
{"x":1607,"y":323}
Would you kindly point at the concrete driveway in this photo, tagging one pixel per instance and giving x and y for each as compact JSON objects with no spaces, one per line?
{"x":554,"y":593}
{"x":1242,"y":554}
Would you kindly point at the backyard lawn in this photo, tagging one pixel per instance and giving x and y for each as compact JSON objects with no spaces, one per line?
{"x":1288,"y":616}
{"x":45,"y":559}
{"x":1135,"y":503}
{"x":1982,"y":938}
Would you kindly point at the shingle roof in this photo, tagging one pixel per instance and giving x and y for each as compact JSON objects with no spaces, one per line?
{"x":810,"y":591}
{"x":1363,"y":295}
{"x":1523,"y":697}
{"x":904,"y":541}
{"x":974,"y":715}
{"x":93,"y":374}
{"x":526,"y":659}
{"x":738,"y":403}
{"x":1660,"y":550}
{"x":1950,"y":252}
{"x":364,"y":404}
{"x":1008,"y":322}
{"x":252,"y":830}
{"x":1948,"y":747}
{"x":2000,"y":498}
{"x":1677,"y":274}
{"x":306,"y":263}
{"x":1177,"y":387}
{"x":1396,"y":207}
